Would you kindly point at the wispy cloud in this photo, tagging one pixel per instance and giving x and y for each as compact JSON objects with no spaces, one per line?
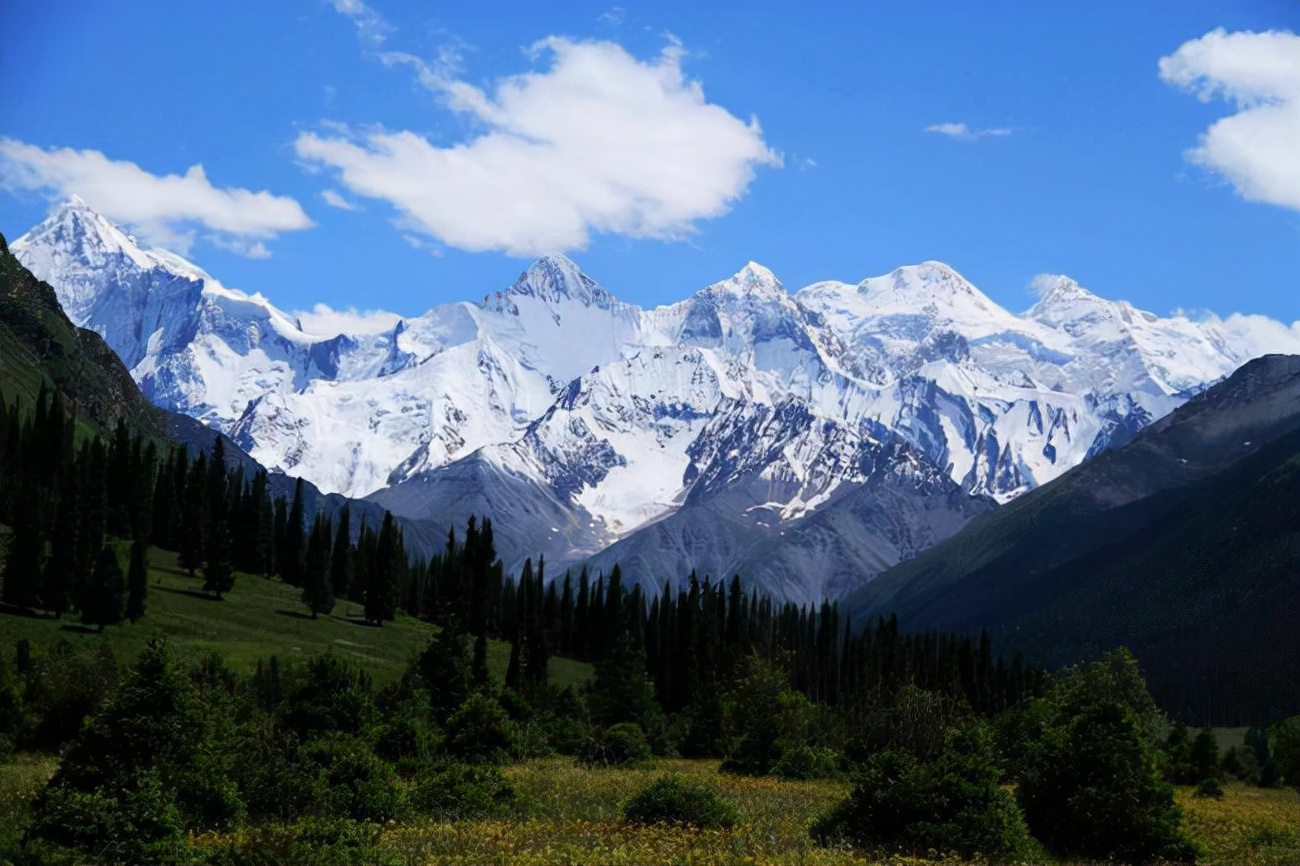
{"x":598,"y":141}
{"x":372,"y":29}
{"x":166,"y":210}
{"x":1255,"y":148}
{"x":333,"y":199}
{"x":964,"y":133}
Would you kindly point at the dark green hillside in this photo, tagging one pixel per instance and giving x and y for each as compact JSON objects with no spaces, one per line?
{"x":40,"y":346}
{"x":1183,"y":545}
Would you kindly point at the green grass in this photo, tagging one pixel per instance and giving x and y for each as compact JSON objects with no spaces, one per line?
{"x":1229,"y":738}
{"x":259,"y":618}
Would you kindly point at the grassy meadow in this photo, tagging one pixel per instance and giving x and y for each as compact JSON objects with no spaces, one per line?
{"x":259,"y":618}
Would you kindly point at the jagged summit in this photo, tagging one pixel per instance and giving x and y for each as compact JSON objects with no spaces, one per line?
{"x":783,"y":388}
{"x":1061,"y":300}
{"x":553,"y":278}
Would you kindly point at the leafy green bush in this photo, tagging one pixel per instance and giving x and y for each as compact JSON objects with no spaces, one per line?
{"x":481,"y":732}
{"x":1091,"y":785}
{"x":808,"y":762}
{"x":353,"y":782}
{"x":670,"y":801}
{"x":464,"y":792}
{"x":134,"y":823}
{"x":1209,"y":788}
{"x":618,"y":745}
{"x":1285,"y":740}
{"x":952,"y":804}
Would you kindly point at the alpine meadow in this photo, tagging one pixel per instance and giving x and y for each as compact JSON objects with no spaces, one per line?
{"x":512,"y":512}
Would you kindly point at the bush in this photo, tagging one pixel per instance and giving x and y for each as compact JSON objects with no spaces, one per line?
{"x":808,"y":762}
{"x":464,"y":792}
{"x":135,"y":823}
{"x":353,"y":782}
{"x":1209,"y":788}
{"x":481,"y":732}
{"x":669,"y":801}
{"x":953,"y":804}
{"x":1091,"y":786}
{"x":621,"y":745}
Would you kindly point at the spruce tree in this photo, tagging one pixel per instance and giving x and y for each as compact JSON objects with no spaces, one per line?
{"x":137,"y":580}
{"x":317,"y":591}
{"x":341,"y":556}
{"x":22,"y":570}
{"x":290,"y":560}
{"x":219,"y":577}
{"x":381,"y":588}
{"x":193,"y":516}
{"x":60,"y":568}
{"x":103,"y":605}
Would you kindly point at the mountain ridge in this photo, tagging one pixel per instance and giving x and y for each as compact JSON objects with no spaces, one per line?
{"x":603,"y":403}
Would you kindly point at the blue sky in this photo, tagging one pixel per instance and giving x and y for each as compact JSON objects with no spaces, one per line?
{"x":663,"y":145}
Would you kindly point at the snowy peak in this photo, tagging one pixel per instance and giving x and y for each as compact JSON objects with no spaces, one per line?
{"x":752,"y":282}
{"x":927,"y":286}
{"x":74,"y":234}
{"x":1061,"y":300}
{"x":552,"y":279}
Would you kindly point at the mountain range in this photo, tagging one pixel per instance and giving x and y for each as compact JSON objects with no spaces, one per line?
{"x":1182,"y":544}
{"x":807,"y":439}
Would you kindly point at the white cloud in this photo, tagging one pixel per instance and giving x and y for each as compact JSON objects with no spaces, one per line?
{"x":164,"y":210}
{"x":325,"y":321}
{"x":598,"y":142}
{"x":963,"y":132}
{"x":372,"y":29}
{"x":333,"y":199}
{"x":1256,"y":148}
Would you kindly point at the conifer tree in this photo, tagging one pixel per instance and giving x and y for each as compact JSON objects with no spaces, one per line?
{"x":193,"y":516}
{"x":60,"y":568}
{"x":317,"y":591}
{"x":103,"y":605}
{"x":381,"y":587}
{"x":290,"y":559}
{"x":137,"y":579}
{"x":219,"y":577}
{"x":341,"y":556}
{"x":22,"y":569}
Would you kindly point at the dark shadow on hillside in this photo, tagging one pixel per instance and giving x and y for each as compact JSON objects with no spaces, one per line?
{"x":192,"y":593}
{"x":79,"y":629}
{"x":296,"y":614}
{"x":350,"y":620}
{"x":28,"y":612}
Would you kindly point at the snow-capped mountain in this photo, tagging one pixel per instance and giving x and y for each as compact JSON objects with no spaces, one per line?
{"x":589,"y":419}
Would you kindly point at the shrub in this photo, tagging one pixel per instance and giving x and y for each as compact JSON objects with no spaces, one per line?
{"x":808,"y":762}
{"x":481,"y":732}
{"x":1091,"y":786}
{"x":669,"y":801}
{"x":1209,"y":788}
{"x":619,"y":745}
{"x":464,"y":792}
{"x":353,"y":782}
{"x":952,"y":804}
{"x":1285,"y":738}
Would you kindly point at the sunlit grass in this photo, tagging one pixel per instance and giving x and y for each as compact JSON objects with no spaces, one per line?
{"x":1248,"y":827}
{"x":260,"y":617}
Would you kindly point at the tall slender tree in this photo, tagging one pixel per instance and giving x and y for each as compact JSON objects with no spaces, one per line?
{"x":137,"y":580}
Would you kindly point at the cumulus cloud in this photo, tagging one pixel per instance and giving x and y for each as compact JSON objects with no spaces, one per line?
{"x":1255,"y":148}
{"x":165,"y":210}
{"x":322,"y":320}
{"x":964,"y":133}
{"x":598,"y":142}
{"x":333,"y":199}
